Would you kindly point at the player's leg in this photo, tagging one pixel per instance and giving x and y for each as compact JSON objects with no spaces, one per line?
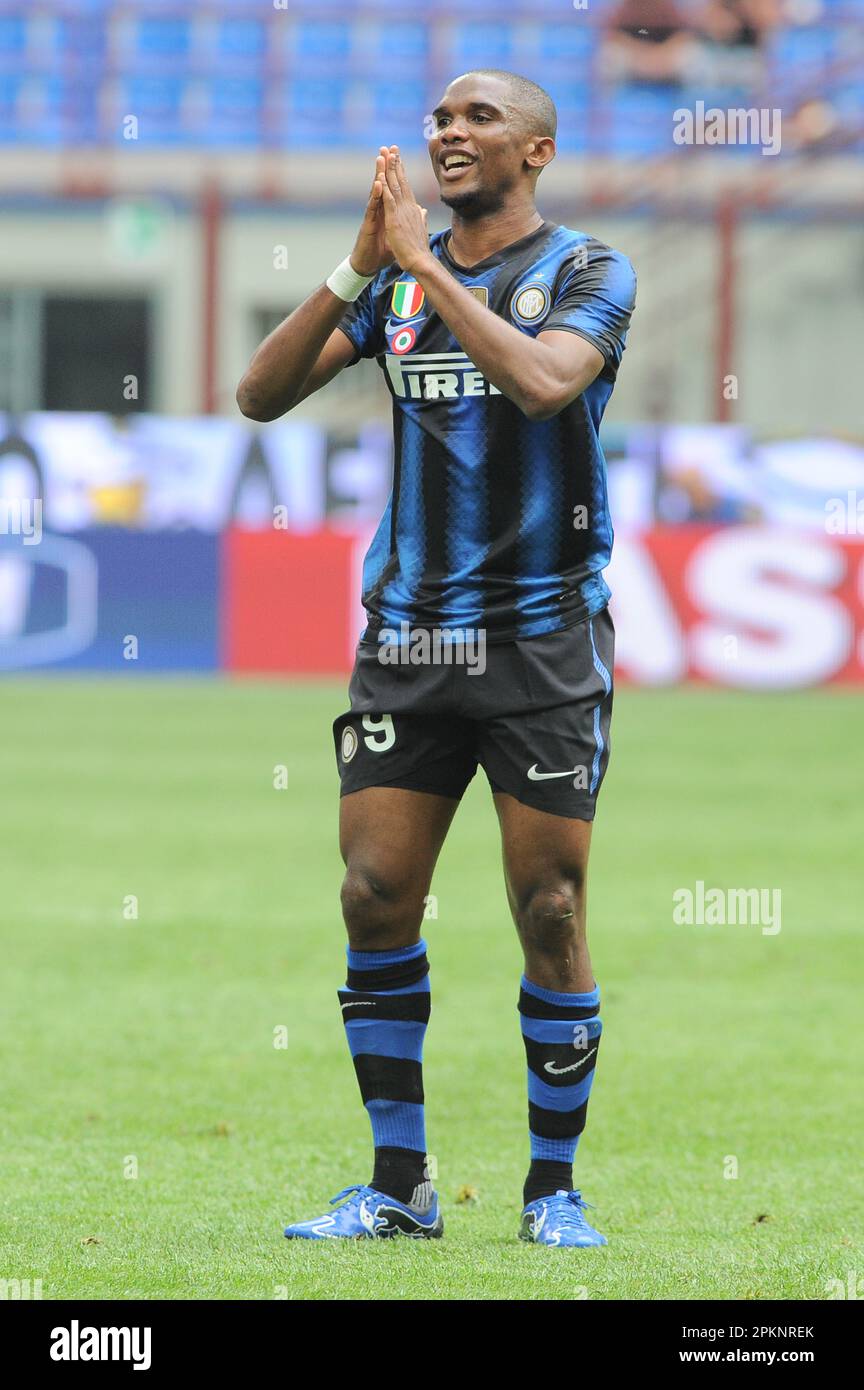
{"x":390,"y":838}
{"x":545,"y":753}
{"x":545,"y":874}
{"x":545,"y":868}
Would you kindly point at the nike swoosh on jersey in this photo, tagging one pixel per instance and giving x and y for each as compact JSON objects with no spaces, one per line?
{"x":559,"y":1071}
{"x":535,"y":776}
{"x":391,"y":327}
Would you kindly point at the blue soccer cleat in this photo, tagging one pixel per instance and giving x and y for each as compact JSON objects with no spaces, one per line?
{"x":558,"y":1220}
{"x":369,"y":1215}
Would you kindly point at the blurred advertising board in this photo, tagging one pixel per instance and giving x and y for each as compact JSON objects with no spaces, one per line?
{"x":110,"y":600}
{"x":747,"y":606}
{"x":162,"y":544}
{"x":160,"y":473}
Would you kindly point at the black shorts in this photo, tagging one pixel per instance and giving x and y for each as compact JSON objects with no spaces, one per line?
{"x":534,"y":714}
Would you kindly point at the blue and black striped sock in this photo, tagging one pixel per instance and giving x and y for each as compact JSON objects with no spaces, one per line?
{"x":385,"y":1008}
{"x":561,"y":1034}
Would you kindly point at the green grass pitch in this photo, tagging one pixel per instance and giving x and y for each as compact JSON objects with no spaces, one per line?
{"x":154,"y":1140}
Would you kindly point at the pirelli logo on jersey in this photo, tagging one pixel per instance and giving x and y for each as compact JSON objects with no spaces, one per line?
{"x":435,"y":376}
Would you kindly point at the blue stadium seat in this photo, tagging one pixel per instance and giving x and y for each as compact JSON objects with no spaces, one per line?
{"x":323,"y":40}
{"x":10,"y":89}
{"x":574,"y":112}
{"x":162,"y":38}
{"x":576,"y":41}
{"x":157,"y":101}
{"x":32,"y":109}
{"x":402,"y":6}
{"x":87,"y":7}
{"x":803,"y":47}
{"x":574,"y":136}
{"x":350,"y":59}
{"x":482,"y":45}
{"x":638,"y":123}
{"x":403,"y":43}
{"x":312,"y":114}
{"x":311,"y":97}
{"x":13,"y":38}
{"x":236,"y":111}
{"x":82,"y":40}
{"x":241,"y":39}
{"x":848,"y":98}
{"x":399,"y":101}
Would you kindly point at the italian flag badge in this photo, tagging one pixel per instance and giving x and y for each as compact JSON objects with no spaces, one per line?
{"x":407,"y":299}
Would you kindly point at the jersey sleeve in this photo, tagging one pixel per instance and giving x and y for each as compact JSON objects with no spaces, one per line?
{"x":595,"y":299}
{"x":361,"y":324}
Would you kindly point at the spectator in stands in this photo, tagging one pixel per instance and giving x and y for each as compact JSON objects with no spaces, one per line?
{"x":687,"y":494}
{"x":648,"y":41}
{"x":815,"y":128}
{"x":731,"y":35}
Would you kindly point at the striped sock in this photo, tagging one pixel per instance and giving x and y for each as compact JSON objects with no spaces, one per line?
{"x":561,"y":1034}
{"x":385,"y":1008}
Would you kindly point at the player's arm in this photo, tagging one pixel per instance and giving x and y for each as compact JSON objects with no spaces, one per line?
{"x":541,"y":375}
{"x":308,"y":348}
{"x":300,"y":356}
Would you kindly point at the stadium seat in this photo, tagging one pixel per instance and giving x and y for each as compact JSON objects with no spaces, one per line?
{"x":158,"y":38}
{"x":802,"y":48}
{"x":398,"y":111}
{"x":310,"y":97}
{"x":328,"y":41}
{"x":81,"y":41}
{"x":638,"y":122}
{"x":311,"y":114}
{"x":33,"y":109}
{"x":405,"y":43}
{"x":848,"y":98}
{"x":574,"y":42}
{"x":158,"y":102}
{"x":481,"y":45}
{"x":13,"y":37}
{"x":10,"y":89}
{"x":240,"y":39}
{"x":85,"y":7}
{"x":333,"y":53}
{"x":235,"y":111}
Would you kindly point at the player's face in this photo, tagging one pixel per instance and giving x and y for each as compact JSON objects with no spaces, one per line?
{"x":477,"y":147}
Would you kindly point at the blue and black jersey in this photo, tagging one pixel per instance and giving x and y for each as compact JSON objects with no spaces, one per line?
{"x":495,"y":521}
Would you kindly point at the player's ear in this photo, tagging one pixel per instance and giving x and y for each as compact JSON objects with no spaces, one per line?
{"x":540,"y":152}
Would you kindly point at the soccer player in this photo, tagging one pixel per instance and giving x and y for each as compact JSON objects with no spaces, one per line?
{"x":488,"y":638}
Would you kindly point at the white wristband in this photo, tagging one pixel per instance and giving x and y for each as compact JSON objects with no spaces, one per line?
{"x":346,"y":283}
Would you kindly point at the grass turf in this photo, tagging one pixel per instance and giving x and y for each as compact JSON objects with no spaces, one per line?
{"x":146,"y":1045}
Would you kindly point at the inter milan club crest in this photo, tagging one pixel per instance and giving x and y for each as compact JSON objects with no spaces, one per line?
{"x":407,"y":300}
{"x":349,"y":743}
{"x":531,"y":304}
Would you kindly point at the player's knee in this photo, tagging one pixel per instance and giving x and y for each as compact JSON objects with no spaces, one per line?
{"x":550,"y":916}
{"x":372,"y":908}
